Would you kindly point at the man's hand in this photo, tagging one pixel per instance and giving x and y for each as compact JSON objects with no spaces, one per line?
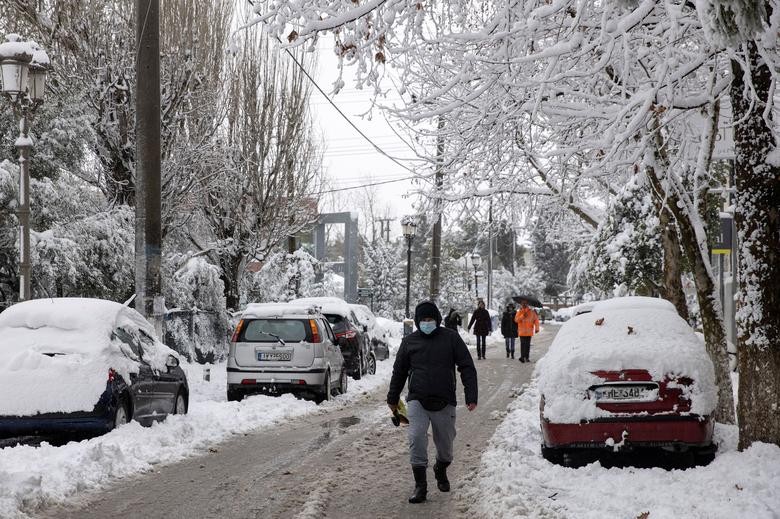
{"x":393,"y":408}
{"x":471,"y":407}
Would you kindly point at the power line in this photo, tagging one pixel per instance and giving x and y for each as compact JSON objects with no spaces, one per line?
{"x":364,"y":185}
{"x":376,"y":147}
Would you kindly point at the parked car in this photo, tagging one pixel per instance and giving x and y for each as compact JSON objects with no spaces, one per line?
{"x":285,"y":348}
{"x":629,"y":375}
{"x":377,"y":334}
{"x":357,"y":350}
{"x":545,"y":314}
{"x":83,"y":366}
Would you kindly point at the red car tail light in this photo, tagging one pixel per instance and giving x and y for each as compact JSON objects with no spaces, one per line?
{"x":237,"y":333}
{"x":248,"y":381}
{"x":315,"y":332}
{"x":349,"y":334}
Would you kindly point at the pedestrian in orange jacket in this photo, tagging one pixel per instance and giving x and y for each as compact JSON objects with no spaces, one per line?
{"x":527,"y":324}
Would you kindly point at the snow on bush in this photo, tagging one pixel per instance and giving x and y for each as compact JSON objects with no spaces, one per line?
{"x":285,"y":276}
{"x":196,"y":325}
{"x":86,"y":257}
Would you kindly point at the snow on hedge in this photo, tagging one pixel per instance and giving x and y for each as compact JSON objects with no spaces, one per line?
{"x":660,"y":342}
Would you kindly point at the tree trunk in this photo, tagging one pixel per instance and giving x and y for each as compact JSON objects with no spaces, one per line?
{"x":758,"y":226}
{"x":672,"y":287}
{"x":231,"y":277}
{"x":709,"y":305}
{"x":711,"y":318}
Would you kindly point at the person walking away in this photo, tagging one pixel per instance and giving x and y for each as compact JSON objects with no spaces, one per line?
{"x":480,"y":319}
{"x":453,"y":320}
{"x":509,"y":329}
{"x":527,"y":324}
{"x":428,"y":358}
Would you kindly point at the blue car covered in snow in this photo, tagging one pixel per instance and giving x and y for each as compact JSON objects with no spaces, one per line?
{"x":75,"y":366}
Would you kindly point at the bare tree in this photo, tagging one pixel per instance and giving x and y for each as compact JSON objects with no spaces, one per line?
{"x":269,"y":191}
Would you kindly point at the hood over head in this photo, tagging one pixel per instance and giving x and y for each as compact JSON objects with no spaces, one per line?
{"x":427,"y":309}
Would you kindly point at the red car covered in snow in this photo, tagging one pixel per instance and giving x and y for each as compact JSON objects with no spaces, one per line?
{"x":630,"y":375}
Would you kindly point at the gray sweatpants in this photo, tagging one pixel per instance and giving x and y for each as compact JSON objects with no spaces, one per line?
{"x":443,"y":423}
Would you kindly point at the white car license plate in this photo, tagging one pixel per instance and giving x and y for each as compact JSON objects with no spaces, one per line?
{"x":625,"y":393}
{"x":274,"y":355}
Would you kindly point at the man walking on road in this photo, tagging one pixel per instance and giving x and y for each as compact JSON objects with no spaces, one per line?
{"x":428,"y":358}
{"x":527,"y":324}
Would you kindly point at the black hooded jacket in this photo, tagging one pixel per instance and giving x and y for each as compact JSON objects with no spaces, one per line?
{"x":429,"y":362}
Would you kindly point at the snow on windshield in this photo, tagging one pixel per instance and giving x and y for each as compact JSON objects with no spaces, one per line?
{"x":660,"y":341}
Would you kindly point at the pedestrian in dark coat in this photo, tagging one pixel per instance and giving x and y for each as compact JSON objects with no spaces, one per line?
{"x":428,"y":358}
{"x":453,"y":320}
{"x":480,"y":319}
{"x":509,"y":329}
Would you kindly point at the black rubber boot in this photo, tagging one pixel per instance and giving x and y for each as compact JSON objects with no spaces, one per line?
{"x":420,"y":485}
{"x":440,"y":471}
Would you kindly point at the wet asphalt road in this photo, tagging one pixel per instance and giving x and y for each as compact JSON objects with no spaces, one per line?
{"x":347,"y":463}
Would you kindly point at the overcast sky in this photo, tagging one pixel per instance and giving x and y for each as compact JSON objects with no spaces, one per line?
{"x":349,"y":159}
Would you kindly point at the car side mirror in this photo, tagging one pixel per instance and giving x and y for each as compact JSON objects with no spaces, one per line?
{"x":172,"y":362}
{"x":342,"y":342}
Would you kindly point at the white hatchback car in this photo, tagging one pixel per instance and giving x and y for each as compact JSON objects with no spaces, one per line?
{"x":285,"y":348}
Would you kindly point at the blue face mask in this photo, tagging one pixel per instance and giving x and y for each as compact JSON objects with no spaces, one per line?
{"x":427,"y":327}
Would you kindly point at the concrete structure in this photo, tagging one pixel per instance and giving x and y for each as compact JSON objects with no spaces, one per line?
{"x":350,"y":263}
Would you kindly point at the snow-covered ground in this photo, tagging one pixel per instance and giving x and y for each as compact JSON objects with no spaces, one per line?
{"x":34,"y":476}
{"x":515,"y":481}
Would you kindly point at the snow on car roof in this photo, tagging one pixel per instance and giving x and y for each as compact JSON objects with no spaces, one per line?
{"x":660,"y":342}
{"x":261,"y":310}
{"x":67,"y":324}
{"x":329,"y":305}
{"x":55,"y":353}
{"x":364,"y":314}
{"x":633,"y":302}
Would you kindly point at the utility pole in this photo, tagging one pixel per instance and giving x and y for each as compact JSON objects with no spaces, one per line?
{"x":490,"y":256}
{"x":148,"y":229}
{"x":384,"y":228}
{"x":436,"y":245}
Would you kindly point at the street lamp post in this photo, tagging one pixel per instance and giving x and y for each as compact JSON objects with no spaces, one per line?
{"x":409,"y":228}
{"x":476,"y":260}
{"x":24,"y":65}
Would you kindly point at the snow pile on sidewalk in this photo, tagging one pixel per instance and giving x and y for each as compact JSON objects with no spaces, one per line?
{"x":31,"y":477}
{"x":515,"y":481}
